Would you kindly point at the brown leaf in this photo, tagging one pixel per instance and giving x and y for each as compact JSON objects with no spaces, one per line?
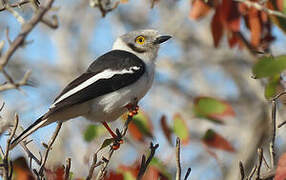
{"x":214,"y":140}
{"x":255,"y":27}
{"x":114,"y":176}
{"x":230,"y":15}
{"x":217,"y":27}
{"x":56,"y":173}
{"x":281,"y":168}
{"x":166,"y":129}
{"x":199,"y":9}
{"x":21,"y":170}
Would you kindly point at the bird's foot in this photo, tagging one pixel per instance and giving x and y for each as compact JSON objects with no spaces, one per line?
{"x":116,"y":136}
{"x":133,"y":108}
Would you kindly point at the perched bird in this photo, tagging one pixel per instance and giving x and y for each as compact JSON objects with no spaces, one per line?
{"x":109,"y":86}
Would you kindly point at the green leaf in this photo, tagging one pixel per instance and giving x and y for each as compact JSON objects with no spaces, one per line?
{"x":128,"y":175}
{"x":90,"y":133}
{"x":211,"y":108}
{"x":181,"y":129}
{"x":271,"y":87}
{"x":106,"y":143}
{"x":269,"y":66}
{"x":93,"y":131}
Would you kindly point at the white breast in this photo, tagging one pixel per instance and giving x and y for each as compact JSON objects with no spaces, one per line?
{"x":111,"y":106}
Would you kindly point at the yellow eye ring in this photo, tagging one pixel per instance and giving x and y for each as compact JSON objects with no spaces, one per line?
{"x":140,"y":40}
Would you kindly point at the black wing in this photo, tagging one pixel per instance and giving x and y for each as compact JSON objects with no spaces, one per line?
{"x":115,"y":60}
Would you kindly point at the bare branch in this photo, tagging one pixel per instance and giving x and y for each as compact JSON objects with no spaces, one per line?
{"x":188,"y":173}
{"x":242,"y":172}
{"x":252,"y":172}
{"x":53,"y":23}
{"x":93,"y":166}
{"x":26,"y":29}
{"x":179,"y":169}
{"x":259,"y":164}
{"x":14,"y":85}
{"x":272,"y":142}
{"x":51,"y":142}
{"x":7,"y":165}
{"x":144,"y":163}
{"x":260,"y":7}
{"x":15,"y":5}
{"x":67,"y":169}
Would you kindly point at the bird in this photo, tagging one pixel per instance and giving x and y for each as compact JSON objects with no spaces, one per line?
{"x":109,"y":86}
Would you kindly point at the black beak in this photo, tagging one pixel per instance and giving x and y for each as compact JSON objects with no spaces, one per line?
{"x":161,"y":39}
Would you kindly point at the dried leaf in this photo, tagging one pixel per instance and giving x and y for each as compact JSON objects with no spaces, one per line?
{"x":181,"y":129}
{"x":199,"y":9}
{"x":140,"y":127}
{"x":166,"y":129}
{"x":217,"y":27}
{"x":281,"y":168}
{"x":21,"y":170}
{"x":255,"y":26}
{"x":114,"y":176}
{"x":214,"y":140}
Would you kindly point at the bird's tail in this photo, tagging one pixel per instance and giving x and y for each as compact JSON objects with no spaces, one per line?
{"x":32,"y":128}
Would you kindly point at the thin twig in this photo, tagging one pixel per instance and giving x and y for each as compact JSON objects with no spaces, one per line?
{"x":259,"y":164}
{"x":26,"y":29}
{"x":7,"y":168}
{"x":273,"y":133}
{"x":188,"y":173}
{"x":260,"y":7}
{"x":93,"y":166}
{"x":67,"y":169}
{"x":281,"y":124}
{"x":252,"y":172}
{"x":51,"y":142}
{"x":178,"y":162}
{"x":144,"y":163}
{"x":53,"y":23}
{"x":242,"y":172}
{"x":15,"y":5}
{"x":15,"y":85}
{"x":106,"y":161}
{"x":105,"y":10}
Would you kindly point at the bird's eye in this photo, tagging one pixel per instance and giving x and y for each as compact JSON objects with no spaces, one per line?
{"x":140,"y":40}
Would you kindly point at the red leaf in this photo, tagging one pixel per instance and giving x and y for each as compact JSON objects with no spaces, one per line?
{"x":217,"y":27}
{"x":135,"y":132}
{"x":166,"y":129}
{"x":199,"y":9}
{"x":56,"y":174}
{"x":281,"y":168}
{"x":230,"y":15}
{"x":21,"y":170}
{"x":114,"y":176}
{"x":279,"y":4}
{"x":255,"y":26}
{"x":214,"y":140}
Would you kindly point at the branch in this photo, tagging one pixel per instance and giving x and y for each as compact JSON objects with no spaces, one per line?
{"x":6,"y":162}
{"x":272,"y":142}
{"x":93,"y":166}
{"x":16,"y":4}
{"x":260,"y":155}
{"x":49,"y":147}
{"x":14,"y":85}
{"x":179,"y":169}
{"x":144,"y":163}
{"x":242,"y":172}
{"x":260,"y":7}
{"x":26,"y":29}
{"x":67,"y":169}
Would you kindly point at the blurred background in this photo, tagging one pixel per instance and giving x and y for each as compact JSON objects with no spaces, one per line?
{"x":191,"y":71}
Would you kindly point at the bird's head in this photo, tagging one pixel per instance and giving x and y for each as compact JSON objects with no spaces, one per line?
{"x":143,"y":43}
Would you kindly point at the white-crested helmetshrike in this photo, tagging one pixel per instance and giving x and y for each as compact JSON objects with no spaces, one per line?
{"x":104,"y":92}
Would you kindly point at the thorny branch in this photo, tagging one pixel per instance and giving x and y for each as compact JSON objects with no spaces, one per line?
{"x":17,"y":4}
{"x":144,"y":162}
{"x":49,"y":147}
{"x":260,"y":7}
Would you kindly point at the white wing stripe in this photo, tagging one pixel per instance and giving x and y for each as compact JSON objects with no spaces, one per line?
{"x":102,"y":75}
